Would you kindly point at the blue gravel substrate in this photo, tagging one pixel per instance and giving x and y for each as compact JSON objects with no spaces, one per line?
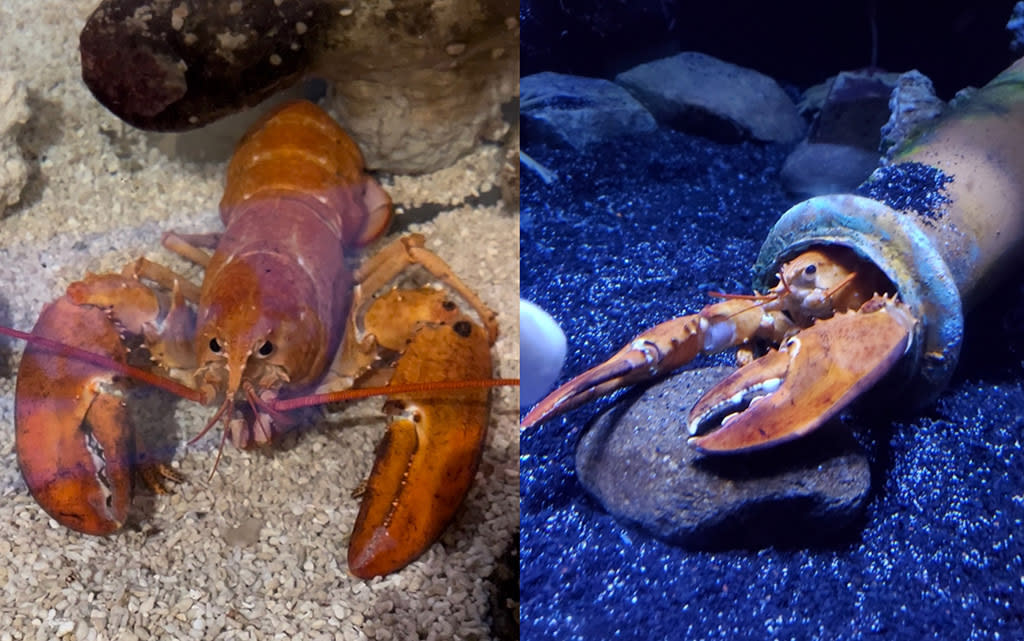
{"x":638,"y":232}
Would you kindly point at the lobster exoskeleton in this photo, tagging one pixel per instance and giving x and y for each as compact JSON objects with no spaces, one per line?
{"x":280,"y":315}
{"x":864,"y":285}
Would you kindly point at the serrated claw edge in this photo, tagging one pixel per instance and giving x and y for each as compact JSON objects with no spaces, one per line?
{"x":815,"y":374}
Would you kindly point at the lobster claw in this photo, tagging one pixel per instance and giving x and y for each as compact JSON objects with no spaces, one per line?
{"x":73,"y":439}
{"x":660,"y":349}
{"x":815,"y":374}
{"x":427,"y":460}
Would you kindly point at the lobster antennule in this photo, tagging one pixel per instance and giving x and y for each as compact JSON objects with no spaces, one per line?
{"x":224,"y":407}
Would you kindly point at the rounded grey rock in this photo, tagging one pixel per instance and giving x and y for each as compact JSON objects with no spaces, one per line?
{"x":580,"y":112}
{"x":702,"y":95}
{"x":635,"y":460}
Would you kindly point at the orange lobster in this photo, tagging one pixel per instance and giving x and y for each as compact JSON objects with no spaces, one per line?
{"x":280,"y":315}
{"x":818,"y":369}
{"x":868,"y":284}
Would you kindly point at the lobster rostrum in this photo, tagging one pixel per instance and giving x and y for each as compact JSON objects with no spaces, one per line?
{"x":281,"y":321}
{"x":857,"y":286}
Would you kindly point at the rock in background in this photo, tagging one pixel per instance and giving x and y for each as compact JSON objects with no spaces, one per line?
{"x":417,"y":86}
{"x":859,"y":118}
{"x":699,"y":94}
{"x":690,"y":92}
{"x":842,"y":146}
{"x":579,"y":111}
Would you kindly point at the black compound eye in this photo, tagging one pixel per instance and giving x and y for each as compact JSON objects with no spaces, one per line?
{"x":214,"y":346}
{"x":266,"y":349}
{"x":810,"y":270}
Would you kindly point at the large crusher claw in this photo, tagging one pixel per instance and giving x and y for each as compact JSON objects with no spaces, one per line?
{"x":430,"y":454}
{"x":76,"y":447}
{"x":809,"y":379}
{"x":72,"y":436}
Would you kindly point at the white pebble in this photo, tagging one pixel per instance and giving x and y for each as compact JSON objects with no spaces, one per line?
{"x":542,"y":348}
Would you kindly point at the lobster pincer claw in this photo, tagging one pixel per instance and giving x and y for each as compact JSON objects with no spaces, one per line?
{"x":72,"y":435}
{"x":659,"y":350}
{"x":814,"y":375}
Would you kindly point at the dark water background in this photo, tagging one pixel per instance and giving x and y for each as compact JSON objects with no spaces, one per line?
{"x":638,"y":232}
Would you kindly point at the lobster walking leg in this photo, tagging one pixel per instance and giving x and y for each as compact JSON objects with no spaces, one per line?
{"x":188,"y":246}
{"x":144,"y":268}
{"x":364,"y":334}
{"x":409,"y":251}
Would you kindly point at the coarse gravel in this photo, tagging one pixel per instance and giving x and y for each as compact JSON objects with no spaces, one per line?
{"x":258,"y":551}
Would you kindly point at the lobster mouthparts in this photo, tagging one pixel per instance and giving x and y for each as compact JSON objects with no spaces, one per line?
{"x":792,"y":391}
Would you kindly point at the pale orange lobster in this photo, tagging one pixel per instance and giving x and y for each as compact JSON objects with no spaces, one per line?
{"x":867,"y":284}
{"x":280,"y":316}
{"x":818,"y":368}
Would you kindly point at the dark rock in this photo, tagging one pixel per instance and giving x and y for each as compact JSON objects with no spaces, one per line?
{"x":815,"y":169}
{"x":842,"y":146}
{"x":580,"y":111}
{"x":635,"y":460}
{"x":698,"y":94}
{"x":855,"y":108}
{"x":171,"y":66}
{"x":503,"y":594}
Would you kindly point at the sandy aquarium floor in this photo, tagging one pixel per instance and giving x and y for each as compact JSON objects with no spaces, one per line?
{"x":258,"y":552}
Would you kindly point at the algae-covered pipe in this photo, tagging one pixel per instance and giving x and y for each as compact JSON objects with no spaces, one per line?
{"x":943,"y":221}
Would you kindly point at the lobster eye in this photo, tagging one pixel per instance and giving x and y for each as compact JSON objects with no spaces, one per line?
{"x":214,"y":346}
{"x":810,"y":270}
{"x":266,"y":349}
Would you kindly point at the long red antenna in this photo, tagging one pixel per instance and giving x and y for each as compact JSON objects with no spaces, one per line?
{"x":402,"y":388}
{"x":106,"y":362}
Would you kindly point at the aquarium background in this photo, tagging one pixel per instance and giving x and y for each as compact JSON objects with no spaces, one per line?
{"x":257,"y":550}
{"x":637,"y":232}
